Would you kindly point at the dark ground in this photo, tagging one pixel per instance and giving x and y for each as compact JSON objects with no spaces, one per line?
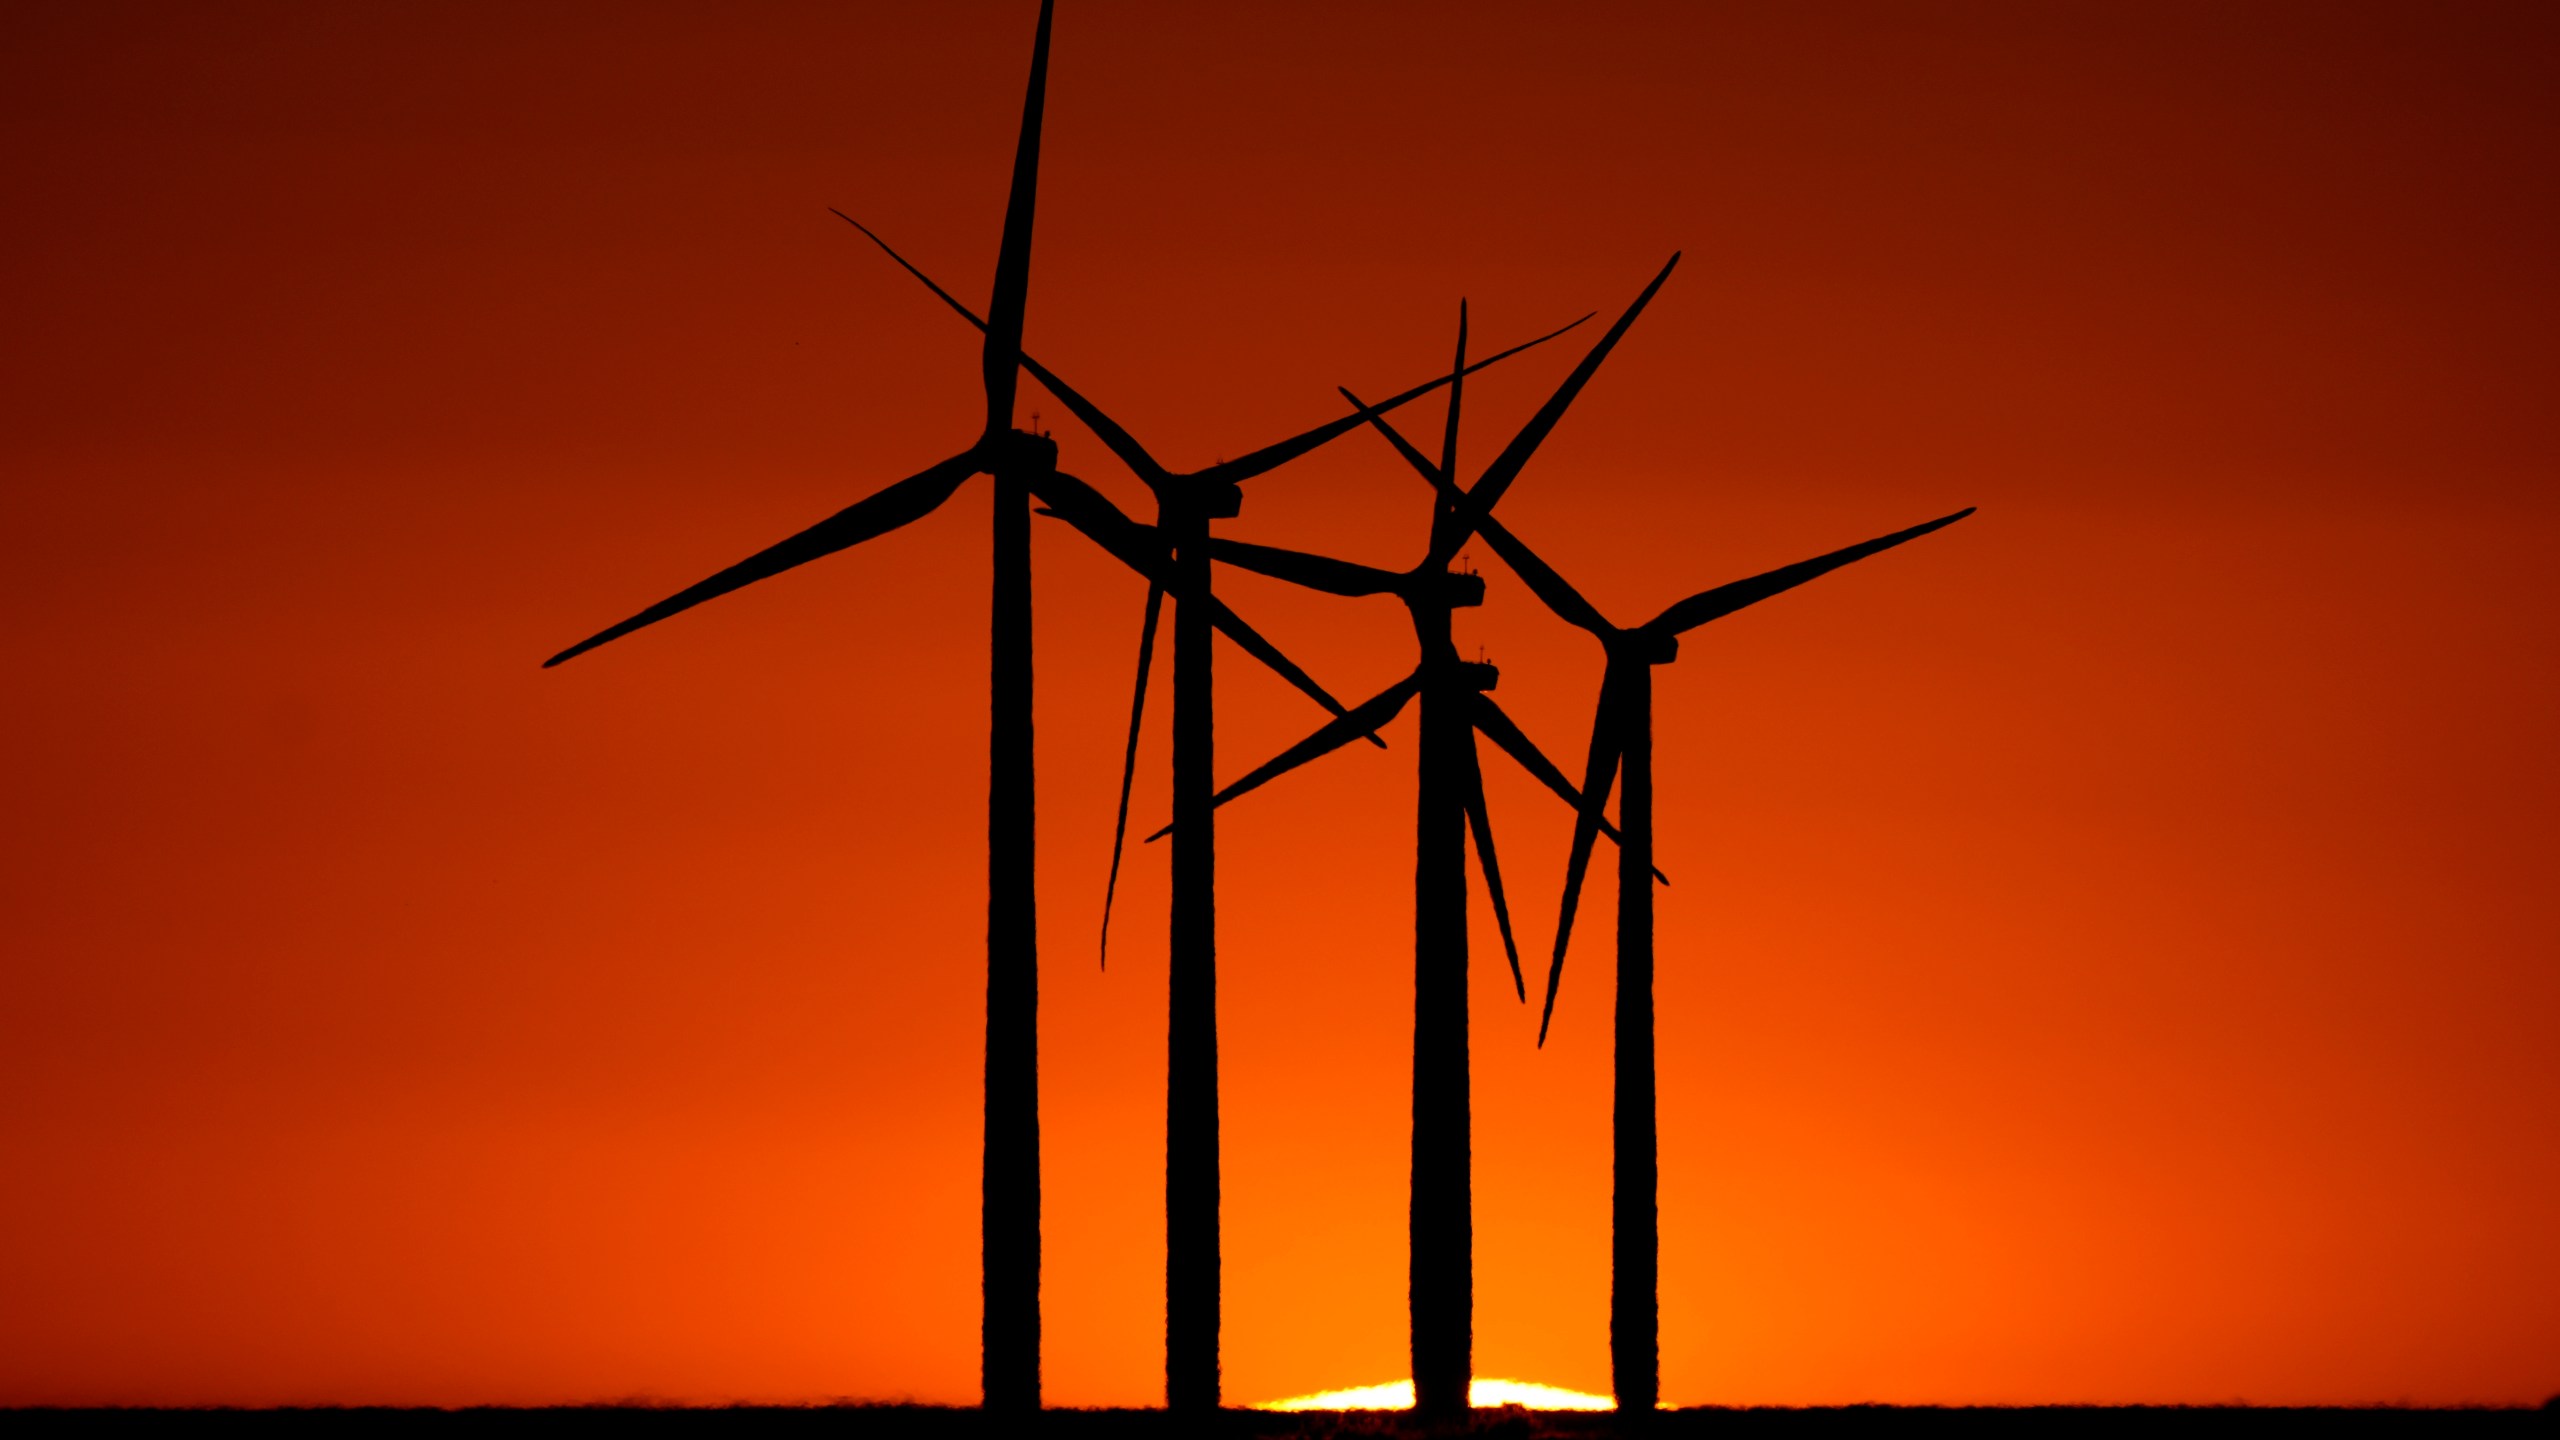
{"x":899,"y":1422}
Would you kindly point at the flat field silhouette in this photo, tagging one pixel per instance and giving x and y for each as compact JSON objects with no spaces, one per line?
{"x":933,"y":1422}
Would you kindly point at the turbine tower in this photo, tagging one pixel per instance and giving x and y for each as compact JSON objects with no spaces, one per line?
{"x":1009,"y":1234}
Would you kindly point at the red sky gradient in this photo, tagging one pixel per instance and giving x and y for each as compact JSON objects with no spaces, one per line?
{"x":2111,"y":951}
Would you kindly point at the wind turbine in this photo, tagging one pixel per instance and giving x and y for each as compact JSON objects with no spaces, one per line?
{"x":1622,"y":749}
{"x":1185,"y":504}
{"x":1449,"y":801}
{"x":1023,"y":466}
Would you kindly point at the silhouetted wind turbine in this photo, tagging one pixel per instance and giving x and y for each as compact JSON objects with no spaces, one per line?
{"x":1185,"y":504}
{"x":1622,"y":748}
{"x":1023,"y":466}
{"x":1449,"y":801}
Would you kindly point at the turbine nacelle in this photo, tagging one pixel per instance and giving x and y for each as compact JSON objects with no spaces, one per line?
{"x":1429,"y":595}
{"x":1477,"y":675}
{"x":1019,"y":452}
{"x":1217,"y":499}
{"x":1181,"y":499}
{"x":1653,"y":647}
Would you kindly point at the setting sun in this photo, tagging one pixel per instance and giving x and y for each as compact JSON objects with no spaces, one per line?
{"x":1483,"y":1394}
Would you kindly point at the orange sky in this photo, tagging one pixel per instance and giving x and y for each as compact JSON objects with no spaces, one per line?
{"x":2111,"y":949}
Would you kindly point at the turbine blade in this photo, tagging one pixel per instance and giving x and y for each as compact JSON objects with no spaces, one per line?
{"x":1599,"y":772}
{"x":1376,"y":417}
{"x":1480,"y":820}
{"x":1129,"y":762}
{"x":1104,"y":428}
{"x":1499,"y":727}
{"x":1443,"y":515}
{"x":1270,"y":457}
{"x":877,"y":514}
{"x":1367,"y":716}
{"x":1002,"y":356}
{"x":1542,"y":579}
{"x":1506,"y":467}
{"x":1230,"y":624}
{"x":1315,"y":572}
{"x":1723,"y":600}
{"x":1105,"y":524}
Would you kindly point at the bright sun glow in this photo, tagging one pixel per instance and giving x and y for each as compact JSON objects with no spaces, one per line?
{"x":1481,"y":1393}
